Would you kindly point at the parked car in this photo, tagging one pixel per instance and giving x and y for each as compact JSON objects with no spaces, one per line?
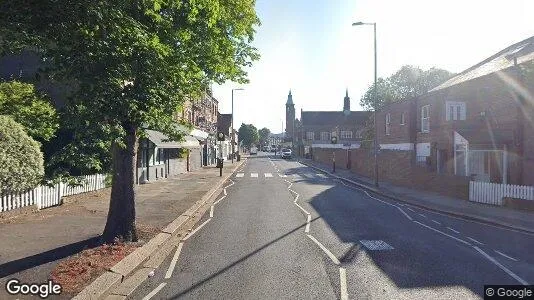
{"x":253,"y":150}
{"x":286,"y":153}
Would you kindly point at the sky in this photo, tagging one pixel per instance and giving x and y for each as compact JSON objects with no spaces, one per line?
{"x":310,"y":47}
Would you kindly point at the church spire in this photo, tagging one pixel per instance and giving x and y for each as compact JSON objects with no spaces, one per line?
{"x":289,"y":98}
{"x":346,"y":101}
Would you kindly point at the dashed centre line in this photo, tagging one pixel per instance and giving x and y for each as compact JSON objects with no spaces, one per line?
{"x":453,"y":230}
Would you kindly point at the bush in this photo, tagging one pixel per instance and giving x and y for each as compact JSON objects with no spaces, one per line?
{"x":21,"y":159}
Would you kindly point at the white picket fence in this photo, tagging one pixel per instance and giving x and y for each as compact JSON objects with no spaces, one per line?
{"x":45,"y":196}
{"x":493,"y":193}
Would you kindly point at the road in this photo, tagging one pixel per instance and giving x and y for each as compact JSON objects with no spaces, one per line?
{"x":285,"y":231}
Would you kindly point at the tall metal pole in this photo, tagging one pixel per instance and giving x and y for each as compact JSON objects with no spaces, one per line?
{"x":376,"y":108}
{"x":232,"y":133}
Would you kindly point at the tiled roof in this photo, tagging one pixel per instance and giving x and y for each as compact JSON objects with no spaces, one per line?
{"x":333,"y":118}
{"x":523,"y":51}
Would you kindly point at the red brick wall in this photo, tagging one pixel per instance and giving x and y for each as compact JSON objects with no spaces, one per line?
{"x":396,"y":167}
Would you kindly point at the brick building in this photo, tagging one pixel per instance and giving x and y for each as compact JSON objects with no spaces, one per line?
{"x":478,"y":124}
{"x":317,"y":127}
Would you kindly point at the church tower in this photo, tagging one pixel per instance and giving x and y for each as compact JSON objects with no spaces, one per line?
{"x":290,"y":117}
{"x":346,"y":101}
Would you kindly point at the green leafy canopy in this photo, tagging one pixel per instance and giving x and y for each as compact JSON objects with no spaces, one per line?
{"x":133,"y":62}
{"x":29,"y":108}
{"x":408,"y":82}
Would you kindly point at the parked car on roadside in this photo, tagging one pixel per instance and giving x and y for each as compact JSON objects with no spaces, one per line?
{"x":286,"y":153}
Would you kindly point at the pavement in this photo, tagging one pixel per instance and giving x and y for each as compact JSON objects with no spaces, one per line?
{"x":284,"y":230}
{"x":34,"y":242}
{"x":497,"y":215}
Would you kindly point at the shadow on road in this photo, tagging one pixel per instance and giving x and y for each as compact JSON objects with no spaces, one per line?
{"x":29,"y":262}
{"x":237,"y":262}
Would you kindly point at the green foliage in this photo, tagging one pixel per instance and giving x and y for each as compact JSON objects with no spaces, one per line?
{"x":134,"y":61}
{"x":20,"y":157}
{"x":264,"y":134}
{"x":27,"y":107}
{"x":406,"y":83}
{"x":248,"y":135}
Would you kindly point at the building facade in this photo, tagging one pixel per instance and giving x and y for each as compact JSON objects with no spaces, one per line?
{"x":478,"y":124}
{"x":316,"y":128}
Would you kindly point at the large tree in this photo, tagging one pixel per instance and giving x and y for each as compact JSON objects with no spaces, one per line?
{"x":132,"y":62}
{"x":248,"y":135}
{"x":264,"y":134}
{"x":408,"y":82}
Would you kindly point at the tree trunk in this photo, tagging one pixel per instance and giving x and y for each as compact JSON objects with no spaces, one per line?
{"x":121,"y":216}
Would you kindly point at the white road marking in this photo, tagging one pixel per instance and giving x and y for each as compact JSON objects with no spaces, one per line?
{"x":196,"y":229}
{"x":155,"y":291}
{"x":296,"y":198}
{"x":332,"y":256}
{"x":268,"y":175}
{"x":211,"y":211}
{"x":307,"y":229}
{"x":405,"y":214}
{"x":282,"y":175}
{"x":379,"y":199}
{"x":344,"y":294}
{"x":253,"y":174}
{"x":376,"y":245}
{"x":422,"y":215}
{"x":224,"y":190}
{"x":230,"y":184}
{"x":451,"y":229}
{"x":216,"y":202}
{"x":509,"y":257}
{"x":436,"y":222}
{"x":240,"y":175}
{"x":498,"y":264}
{"x":301,"y":208}
{"x":472,"y":239}
{"x":173,"y":261}
{"x":411,"y":209}
{"x":446,"y":234}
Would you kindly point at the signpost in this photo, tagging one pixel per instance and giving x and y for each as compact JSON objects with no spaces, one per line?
{"x":334,"y":141}
{"x":220,"y":138}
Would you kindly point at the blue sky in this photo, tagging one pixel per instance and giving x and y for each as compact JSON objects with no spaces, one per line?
{"x":311,"y":48}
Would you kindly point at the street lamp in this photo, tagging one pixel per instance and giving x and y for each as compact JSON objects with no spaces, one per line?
{"x":233,"y":135}
{"x":375,"y":104}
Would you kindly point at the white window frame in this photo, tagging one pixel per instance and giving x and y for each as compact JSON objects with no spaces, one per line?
{"x":403,"y":119}
{"x":388,"y":124}
{"x":325,"y":136}
{"x":455,"y":111}
{"x":425,"y":118}
{"x":346,"y":134}
{"x":310,"y":135}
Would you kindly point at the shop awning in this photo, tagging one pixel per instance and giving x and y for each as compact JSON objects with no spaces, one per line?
{"x":161,"y":141}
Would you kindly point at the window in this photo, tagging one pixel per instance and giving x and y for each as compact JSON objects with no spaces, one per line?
{"x":388,"y":123}
{"x":346,"y":134}
{"x":425,"y":118}
{"x":455,"y":111}
{"x":403,"y":121}
{"x":310,"y":135}
{"x":325,"y":136}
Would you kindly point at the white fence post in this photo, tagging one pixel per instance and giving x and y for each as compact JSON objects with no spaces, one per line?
{"x":494,"y":193}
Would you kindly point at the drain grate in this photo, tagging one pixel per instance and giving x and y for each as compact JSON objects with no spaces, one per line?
{"x":376,"y":245}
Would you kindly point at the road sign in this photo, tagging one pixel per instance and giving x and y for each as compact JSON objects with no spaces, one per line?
{"x":220,"y":136}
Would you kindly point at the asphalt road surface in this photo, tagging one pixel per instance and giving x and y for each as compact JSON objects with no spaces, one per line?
{"x":286,"y":231}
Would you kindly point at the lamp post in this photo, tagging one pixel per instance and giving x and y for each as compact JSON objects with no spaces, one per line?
{"x":232,"y":133}
{"x":375,"y":150}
